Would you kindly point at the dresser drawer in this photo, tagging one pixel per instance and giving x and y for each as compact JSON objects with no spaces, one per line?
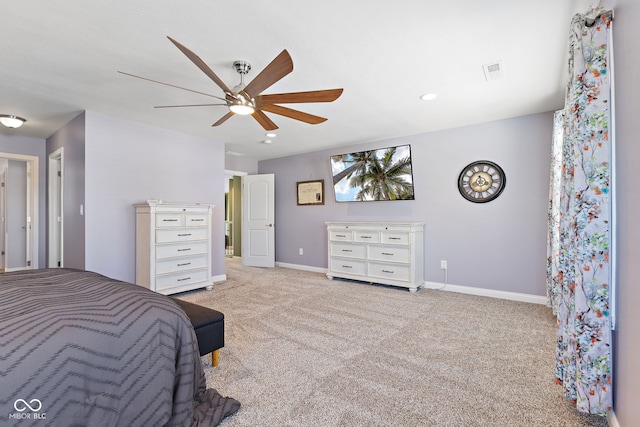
{"x":348,"y":250}
{"x":196,"y":219}
{"x":390,"y":271}
{"x":395,"y":238}
{"x":348,"y":266}
{"x":390,"y":253}
{"x":181,"y":264}
{"x":169,"y":219}
{"x":181,"y":250}
{"x":340,"y":236}
{"x":366,"y":237}
{"x":182,"y":279}
{"x":181,"y":235}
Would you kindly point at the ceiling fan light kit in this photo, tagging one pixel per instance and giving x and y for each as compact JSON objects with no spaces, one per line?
{"x":11,"y":121}
{"x":249,"y":100}
{"x":241,"y":104}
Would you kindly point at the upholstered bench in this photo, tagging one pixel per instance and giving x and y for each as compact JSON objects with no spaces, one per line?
{"x":209,"y":327}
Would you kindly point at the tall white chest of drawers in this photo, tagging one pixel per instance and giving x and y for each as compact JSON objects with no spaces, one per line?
{"x":390,"y":253}
{"x":173,"y":246}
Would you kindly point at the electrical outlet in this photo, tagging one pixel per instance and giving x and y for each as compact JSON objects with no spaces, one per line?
{"x":300,"y":251}
{"x":443,"y":265}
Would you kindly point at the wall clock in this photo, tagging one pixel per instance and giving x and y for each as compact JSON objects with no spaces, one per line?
{"x":481,"y":181}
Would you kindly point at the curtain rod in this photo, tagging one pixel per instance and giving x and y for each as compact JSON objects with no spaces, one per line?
{"x":595,"y":9}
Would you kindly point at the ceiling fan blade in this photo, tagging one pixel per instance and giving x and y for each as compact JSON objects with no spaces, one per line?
{"x":328,"y":95}
{"x":264,"y":121}
{"x":188,"y":105}
{"x":170,"y":85}
{"x":201,"y":64}
{"x":277,"y":69}
{"x":223,"y":119}
{"x":293,"y":114}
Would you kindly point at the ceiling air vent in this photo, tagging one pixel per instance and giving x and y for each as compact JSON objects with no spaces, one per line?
{"x":493,"y":71}
{"x":234,"y":153}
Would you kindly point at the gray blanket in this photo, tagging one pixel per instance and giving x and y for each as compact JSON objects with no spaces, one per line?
{"x":80,"y":349}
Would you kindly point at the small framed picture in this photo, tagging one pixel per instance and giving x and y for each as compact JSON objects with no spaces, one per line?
{"x":311,"y":192}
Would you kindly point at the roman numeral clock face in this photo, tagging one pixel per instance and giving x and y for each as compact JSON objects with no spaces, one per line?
{"x":481,"y":181}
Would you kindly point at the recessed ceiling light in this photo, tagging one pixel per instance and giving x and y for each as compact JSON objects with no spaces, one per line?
{"x":428,"y":96}
{"x":267,"y":141}
{"x":271,"y":135}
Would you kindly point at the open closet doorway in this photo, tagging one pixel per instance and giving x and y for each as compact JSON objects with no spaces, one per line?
{"x":56,"y":223}
{"x":233,"y":213}
{"x":18,"y":212}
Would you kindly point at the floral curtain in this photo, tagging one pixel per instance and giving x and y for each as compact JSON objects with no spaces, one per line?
{"x":578,"y":265}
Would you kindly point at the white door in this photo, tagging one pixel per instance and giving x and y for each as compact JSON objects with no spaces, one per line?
{"x":20,"y":211}
{"x":17,"y":220}
{"x":4,"y":165}
{"x":55,"y":209}
{"x":258,"y":220}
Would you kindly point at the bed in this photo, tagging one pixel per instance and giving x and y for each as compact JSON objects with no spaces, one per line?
{"x":80,"y":349}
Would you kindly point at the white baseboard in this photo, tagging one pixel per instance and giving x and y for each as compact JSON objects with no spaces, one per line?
{"x":612,"y":420}
{"x":514,"y":296}
{"x":218,"y":278}
{"x":301,"y":267}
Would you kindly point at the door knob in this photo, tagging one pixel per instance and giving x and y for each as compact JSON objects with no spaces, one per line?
{"x":269,"y":225}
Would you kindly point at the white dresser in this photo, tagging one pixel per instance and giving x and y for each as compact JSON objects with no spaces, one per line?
{"x":390,"y":253}
{"x":173,"y":246}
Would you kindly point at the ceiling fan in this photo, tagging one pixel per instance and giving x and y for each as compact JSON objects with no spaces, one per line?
{"x":248,"y":99}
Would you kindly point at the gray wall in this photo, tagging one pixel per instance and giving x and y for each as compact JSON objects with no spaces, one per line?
{"x":127,"y":163}
{"x":498,"y":245}
{"x":15,"y":144}
{"x":72,"y":139}
{"x":627,"y":337}
{"x":240,"y":164}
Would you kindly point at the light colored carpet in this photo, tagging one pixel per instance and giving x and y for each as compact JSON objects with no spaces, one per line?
{"x":302,"y":350}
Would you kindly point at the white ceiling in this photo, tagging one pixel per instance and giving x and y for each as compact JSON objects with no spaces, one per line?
{"x":60,"y":57}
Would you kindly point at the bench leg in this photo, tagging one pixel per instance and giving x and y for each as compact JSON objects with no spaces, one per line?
{"x":215,"y":356}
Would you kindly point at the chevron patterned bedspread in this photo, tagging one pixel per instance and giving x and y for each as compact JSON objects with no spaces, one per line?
{"x":80,"y":349}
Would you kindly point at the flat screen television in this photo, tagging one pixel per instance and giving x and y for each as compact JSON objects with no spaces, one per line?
{"x":374,"y":175}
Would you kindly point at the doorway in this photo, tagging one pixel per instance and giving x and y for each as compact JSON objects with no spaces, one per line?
{"x":249,"y":218}
{"x":19,"y":246}
{"x":56,"y":222}
{"x":233,"y":213}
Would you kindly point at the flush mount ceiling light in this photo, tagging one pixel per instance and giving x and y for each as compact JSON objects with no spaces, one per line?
{"x":11,"y":121}
{"x":428,"y":96}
